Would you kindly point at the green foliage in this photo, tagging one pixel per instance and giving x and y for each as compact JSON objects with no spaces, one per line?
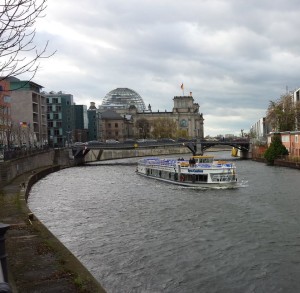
{"x":164,"y":128}
{"x":275,"y":150}
{"x":281,"y":114}
{"x":78,"y":282}
{"x":182,"y":133}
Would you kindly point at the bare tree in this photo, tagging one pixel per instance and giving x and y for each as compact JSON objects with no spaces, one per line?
{"x":282,"y":114}
{"x":18,"y":53}
{"x":143,"y":128}
{"x":164,"y":128}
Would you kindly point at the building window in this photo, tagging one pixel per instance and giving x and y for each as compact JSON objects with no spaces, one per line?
{"x":109,"y":125}
{"x":296,"y":138}
{"x":116,"y":133}
{"x":183,"y":123}
{"x":116,"y":125}
{"x":285,"y":138}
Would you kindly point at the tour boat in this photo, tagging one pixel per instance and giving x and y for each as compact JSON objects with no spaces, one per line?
{"x":199,"y":171}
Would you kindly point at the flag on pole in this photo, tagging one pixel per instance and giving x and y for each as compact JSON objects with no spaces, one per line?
{"x":182,"y":89}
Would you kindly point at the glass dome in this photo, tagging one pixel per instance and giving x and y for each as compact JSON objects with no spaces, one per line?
{"x":123,"y":98}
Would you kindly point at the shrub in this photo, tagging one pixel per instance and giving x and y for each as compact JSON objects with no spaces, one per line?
{"x":275,"y":150}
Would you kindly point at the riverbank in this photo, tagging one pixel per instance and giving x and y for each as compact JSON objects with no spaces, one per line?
{"x":280,"y":163}
{"x":37,"y":261}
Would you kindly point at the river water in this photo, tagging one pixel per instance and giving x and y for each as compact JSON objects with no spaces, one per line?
{"x":136,"y":234}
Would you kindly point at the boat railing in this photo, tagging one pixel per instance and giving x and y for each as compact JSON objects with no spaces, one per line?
{"x":197,"y":165}
{"x":222,"y":178}
{"x":158,"y":162}
{"x":224,"y":165}
{"x":155,"y":162}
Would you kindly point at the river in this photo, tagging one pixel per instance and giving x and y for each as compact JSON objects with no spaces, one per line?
{"x":135,"y":234}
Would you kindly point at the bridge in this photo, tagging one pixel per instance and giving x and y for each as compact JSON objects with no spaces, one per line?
{"x":242,"y":144}
{"x":196,"y":147}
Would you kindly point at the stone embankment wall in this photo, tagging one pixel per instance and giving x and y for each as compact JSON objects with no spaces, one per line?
{"x":289,"y":164}
{"x":101,"y":155}
{"x":14,"y":168}
{"x":279,"y":162}
{"x":64,"y":158}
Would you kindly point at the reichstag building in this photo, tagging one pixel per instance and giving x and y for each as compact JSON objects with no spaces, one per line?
{"x":124,"y":115}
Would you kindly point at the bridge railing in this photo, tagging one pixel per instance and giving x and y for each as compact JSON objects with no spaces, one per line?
{"x":19,"y":153}
{"x":4,"y":286}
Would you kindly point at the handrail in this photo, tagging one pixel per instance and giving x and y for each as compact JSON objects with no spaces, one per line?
{"x":4,"y":286}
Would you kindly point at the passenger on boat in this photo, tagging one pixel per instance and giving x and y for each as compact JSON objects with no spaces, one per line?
{"x":192,"y":162}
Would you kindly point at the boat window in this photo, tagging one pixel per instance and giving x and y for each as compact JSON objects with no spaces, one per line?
{"x":205,"y":160}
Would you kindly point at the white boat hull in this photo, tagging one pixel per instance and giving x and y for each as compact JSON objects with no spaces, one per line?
{"x":199,"y":175}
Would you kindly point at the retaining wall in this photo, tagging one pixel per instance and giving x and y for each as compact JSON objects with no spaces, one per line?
{"x":102,"y":155}
{"x":289,"y":164}
{"x":13,"y":168}
{"x":64,"y":158}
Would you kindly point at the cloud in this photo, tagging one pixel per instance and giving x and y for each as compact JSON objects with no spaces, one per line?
{"x":234,"y":56}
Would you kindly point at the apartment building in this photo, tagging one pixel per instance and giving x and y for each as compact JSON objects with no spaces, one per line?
{"x":28,"y":113}
{"x":260,"y":130}
{"x":93,"y":122}
{"x":296,"y":100}
{"x":113,"y":126}
{"x":81,"y":123}
{"x":5,"y":114}
{"x":61,"y":118}
{"x":67,"y":122}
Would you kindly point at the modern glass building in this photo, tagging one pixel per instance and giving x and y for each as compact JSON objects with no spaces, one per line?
{"x":81,"y":123}
{"x":122,"y":98}
{"x":61,"y":118}
{"x":93,"y":123}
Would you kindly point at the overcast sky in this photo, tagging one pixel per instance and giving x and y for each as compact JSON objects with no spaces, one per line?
{"x":233,"y":55}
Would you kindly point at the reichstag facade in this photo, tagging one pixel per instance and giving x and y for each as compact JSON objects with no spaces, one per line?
{"x":123,"y":110}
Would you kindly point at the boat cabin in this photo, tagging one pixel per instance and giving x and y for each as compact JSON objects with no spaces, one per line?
{"x":203,"y":159}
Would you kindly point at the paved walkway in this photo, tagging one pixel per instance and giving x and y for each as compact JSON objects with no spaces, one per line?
{"x":37,"y":261}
